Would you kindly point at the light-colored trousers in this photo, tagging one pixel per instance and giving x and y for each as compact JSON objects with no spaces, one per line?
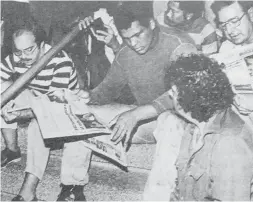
{"x":167,"y":130}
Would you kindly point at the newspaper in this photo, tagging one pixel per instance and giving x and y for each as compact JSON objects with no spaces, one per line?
{"x":239,"y":69}
{"x":57,"y":120}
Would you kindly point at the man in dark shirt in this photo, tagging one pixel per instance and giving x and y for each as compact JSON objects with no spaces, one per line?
{"x":141,"y":64}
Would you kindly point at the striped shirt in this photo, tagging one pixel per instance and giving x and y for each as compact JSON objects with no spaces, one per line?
{"x":204,"y":36}
{"x":202,"y":32}
{"x":58,"y":73}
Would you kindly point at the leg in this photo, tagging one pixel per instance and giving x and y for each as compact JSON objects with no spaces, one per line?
{"x":9,"y":131}
{"x":11,"y":153}
{"x":161,"y":180}
{"x":74,"y":171}
{"x":10,"y":138}
{"x":37,"y":158}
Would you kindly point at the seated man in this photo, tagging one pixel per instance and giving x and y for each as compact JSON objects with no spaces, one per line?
{"x":141,"y":63}
{"x":187,"y":17}
{"x":28,"y":47}
{"x":235,"y":19}
{"x":205,"y":147}
{"x":216,"y":155}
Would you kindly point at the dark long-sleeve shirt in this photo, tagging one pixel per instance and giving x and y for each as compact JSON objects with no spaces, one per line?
{"x":143,"y":73}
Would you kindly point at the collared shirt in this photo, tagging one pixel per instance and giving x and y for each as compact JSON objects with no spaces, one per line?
{"x":58,"y":73}
{"x":219,"y":168}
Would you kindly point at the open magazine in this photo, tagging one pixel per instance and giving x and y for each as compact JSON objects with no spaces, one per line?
{"x":58,"y":120}
{"x":239,"y":69}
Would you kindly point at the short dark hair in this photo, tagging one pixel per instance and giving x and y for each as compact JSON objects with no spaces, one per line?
{"x":195,"y":7}
{"x":202,"y":85}
{"x":29,"y":24}
{"x":131,"y":11}
{"x":219,"y":5}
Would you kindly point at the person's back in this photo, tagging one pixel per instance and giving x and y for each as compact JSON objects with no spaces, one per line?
{"x":209,"y":173}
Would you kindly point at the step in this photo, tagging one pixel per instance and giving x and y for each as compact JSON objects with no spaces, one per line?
{"x":107,"y":183}
{"x":139,"y":155}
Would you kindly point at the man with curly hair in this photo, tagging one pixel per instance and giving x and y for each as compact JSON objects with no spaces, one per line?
{"x":205,"y":151}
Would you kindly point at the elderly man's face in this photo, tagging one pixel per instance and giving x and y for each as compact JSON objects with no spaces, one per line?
{"x":138,"y":37}
{"x":25,"y":48}
{"x":236,"y":24}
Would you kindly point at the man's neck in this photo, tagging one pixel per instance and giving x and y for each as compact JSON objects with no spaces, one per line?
{"x":155,"y":38}
{"x":250,"y":39}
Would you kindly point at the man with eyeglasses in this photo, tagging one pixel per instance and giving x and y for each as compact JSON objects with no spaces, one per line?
{"x":28,"y":40}
{"x":235,"y":19}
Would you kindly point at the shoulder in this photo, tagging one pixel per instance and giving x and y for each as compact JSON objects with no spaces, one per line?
{"x":227,"y":45}
{"x":60,"y":57}
{"x":232,"y":148}
{"x":124,"y":54}
{"x":176,"y":35}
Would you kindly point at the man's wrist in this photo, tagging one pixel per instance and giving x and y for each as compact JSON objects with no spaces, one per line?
{"x":25,"y":114}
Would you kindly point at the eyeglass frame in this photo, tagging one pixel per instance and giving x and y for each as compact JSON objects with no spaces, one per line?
{"x":223,"y":26}
{"x":27,"y":52}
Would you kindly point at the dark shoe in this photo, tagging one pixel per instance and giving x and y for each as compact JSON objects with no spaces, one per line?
{"x":20,"y":198}
{"x":8,"y":156}
{"x":71,"y":193}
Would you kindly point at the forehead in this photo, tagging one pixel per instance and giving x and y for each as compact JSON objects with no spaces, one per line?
{"x":24,"y":40}
{"x":134,"y":29}
{"x":229,"y":12}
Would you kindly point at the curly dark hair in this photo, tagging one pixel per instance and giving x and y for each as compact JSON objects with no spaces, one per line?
{"x":203,"y":87}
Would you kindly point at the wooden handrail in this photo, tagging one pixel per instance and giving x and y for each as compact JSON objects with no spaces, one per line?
{"x":13,"y":89}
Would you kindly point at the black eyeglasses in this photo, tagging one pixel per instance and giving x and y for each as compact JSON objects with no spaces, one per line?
{"x":27,"y":51}
{"x":234,"y":22}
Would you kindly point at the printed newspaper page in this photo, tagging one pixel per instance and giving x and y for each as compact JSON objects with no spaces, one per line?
{"x":58,"y":120}
{"x":239,"y":69}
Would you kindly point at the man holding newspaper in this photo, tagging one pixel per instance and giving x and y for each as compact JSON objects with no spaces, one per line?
{"x":236,"y":23}
{"x":28,"y":47}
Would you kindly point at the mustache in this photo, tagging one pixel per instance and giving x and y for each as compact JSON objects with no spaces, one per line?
{"x":24,"y":60}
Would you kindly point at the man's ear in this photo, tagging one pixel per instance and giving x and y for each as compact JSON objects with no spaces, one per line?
{"x":42,"y":44}
{"x":250,"y":13}
{"x":189,"y":16}
{"x":152,"y":24}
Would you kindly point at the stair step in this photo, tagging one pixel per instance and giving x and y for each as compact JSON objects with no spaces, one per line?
{"x":107,"y":183}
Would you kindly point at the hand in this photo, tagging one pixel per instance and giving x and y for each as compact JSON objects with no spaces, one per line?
{"x":124,"y":125}
{"x":12,"y":116}
{"x":85,"y":23}
{"x":108,"y":37}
